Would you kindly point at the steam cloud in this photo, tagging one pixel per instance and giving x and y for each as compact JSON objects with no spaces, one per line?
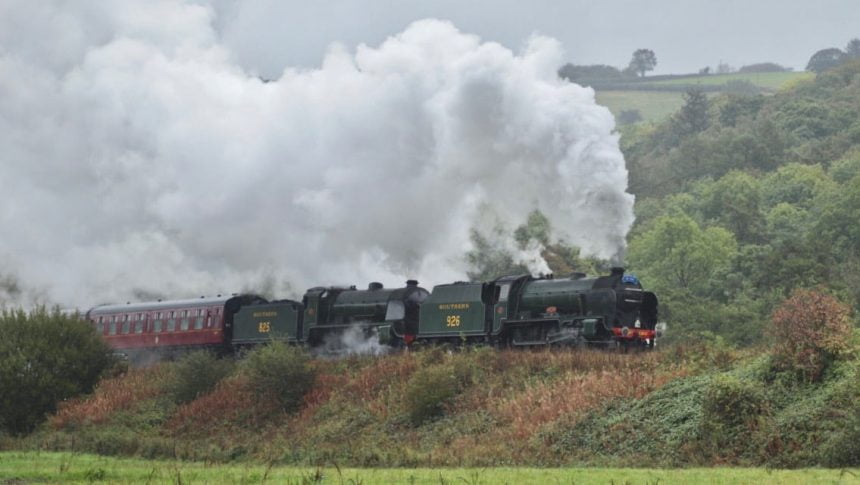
{"x":138,"y":158}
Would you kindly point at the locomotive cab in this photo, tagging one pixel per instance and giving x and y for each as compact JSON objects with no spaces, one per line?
{"x":635,"y":318}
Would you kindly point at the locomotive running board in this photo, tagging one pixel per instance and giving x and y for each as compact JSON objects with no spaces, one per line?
{"x":568,"y":336}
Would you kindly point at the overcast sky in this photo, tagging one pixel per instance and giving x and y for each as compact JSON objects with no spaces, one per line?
{"x":685,"y":34}
{"x":143,"y":157}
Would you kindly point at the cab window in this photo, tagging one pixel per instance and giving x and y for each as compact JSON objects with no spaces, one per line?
{"x":503,"y":293}
{"x":396,"y":311}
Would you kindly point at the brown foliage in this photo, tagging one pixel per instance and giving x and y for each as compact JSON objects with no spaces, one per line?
{"x":111,"y":395}
{"x":589,"y":380}
{"x":809,"y":329}
{"x":233,"y":404}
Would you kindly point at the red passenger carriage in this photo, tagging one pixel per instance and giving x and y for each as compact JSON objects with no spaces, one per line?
{"x":169,"y":326}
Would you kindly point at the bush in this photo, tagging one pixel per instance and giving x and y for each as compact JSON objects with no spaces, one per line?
{"x":196,"y":374}
{"x":810,"y":329}
{"x":741,"y":86}
{"x":763,"y":67}
{"x":629,"y":116}
{"x":427,"y":392}
{"x":731,"y":402}
{"x":843,"y":447}
{"x":732,"y":413}
{"x":45,"y":357}
{"x":281,"y":372}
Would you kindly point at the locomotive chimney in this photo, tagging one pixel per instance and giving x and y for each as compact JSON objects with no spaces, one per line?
{"x":375,"y":285}
{"x":411,"y":282}
{"x":617,"y":271}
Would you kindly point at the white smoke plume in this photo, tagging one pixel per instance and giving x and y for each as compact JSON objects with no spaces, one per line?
{"x":137,"y":156}
{"x":353,"y":341}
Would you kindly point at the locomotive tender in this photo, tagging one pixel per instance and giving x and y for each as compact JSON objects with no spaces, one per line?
{"x":518,"y":310}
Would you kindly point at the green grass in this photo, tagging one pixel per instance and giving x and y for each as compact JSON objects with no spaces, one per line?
{"x":73,"y":468}
{"x":659,"y":105}
{"x":768,"y":80}
{"x":652,"y":105}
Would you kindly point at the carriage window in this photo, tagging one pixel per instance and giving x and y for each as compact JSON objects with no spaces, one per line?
{"x":138,"y":326}
{"x":171,"y":323}
{"x":112,"y":329}
{"x":183,"y":324}
{"x":100,"y":327}
{"x":156,"y":326}
{"x":198,"y":322}
{"x":125,"y":327}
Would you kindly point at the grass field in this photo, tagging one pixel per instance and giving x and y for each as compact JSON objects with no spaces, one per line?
{"x":768,"y":80}
{"x":658,"y":105}
{"x":21,"y":467}
{"x":652,"y":105}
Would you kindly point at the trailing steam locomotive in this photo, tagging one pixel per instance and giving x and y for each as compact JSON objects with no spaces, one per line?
{"x":519,"y":310}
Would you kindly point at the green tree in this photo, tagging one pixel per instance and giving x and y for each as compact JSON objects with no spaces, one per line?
{"x":489,"y":259}
{"x":734,"y":202}
{"x":629,"y":116}
{"x":537,"y":228}
{"x":693,"y":117}
{"x":846,"y":168}
{"x":838,"y":222}
{"x":795,"y":184}
{"x":643,"y":60}
{"x":45,"y":357}
{"x":736,"y":107}
{"x":852,"y":50}
{"x":574,"y":73}
{"x":675,"y":253}
{"x":825,"y":59}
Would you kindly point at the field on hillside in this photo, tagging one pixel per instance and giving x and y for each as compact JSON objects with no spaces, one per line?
{"x":658,"y":105}
{"x":767,"y":80}
{"x":72,"y":468}
{"x":652,"y":105}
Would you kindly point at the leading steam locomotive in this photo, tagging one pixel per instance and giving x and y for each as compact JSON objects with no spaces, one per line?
{"x":518,"y":310}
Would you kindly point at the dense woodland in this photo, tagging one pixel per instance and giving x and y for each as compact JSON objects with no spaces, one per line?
{"x":740,"y":199}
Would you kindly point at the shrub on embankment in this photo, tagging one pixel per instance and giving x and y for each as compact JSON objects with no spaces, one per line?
{"x":45,"y":357}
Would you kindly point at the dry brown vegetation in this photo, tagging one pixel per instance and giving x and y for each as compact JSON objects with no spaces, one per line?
{"x":356,"y":411}
{"x":111,"y":395}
